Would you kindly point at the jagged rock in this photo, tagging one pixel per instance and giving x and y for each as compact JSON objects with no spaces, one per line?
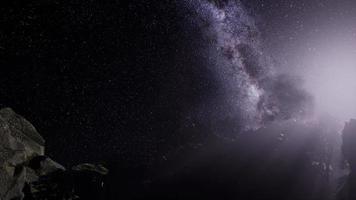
{"x":19,"y":142}
{"x":27,"y":174}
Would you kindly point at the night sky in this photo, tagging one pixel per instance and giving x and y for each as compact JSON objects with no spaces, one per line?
{"x":93,"y":77}
{"x":134,"y":83}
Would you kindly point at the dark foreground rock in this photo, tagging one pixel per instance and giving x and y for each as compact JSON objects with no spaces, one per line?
{"x":26,"y":173}
{"x":347,"y":190}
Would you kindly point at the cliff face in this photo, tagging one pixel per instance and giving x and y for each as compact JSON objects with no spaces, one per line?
{"x":26,"y":173}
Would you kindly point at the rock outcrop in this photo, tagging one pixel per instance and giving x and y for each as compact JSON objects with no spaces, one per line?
{"x":26,"y":173}
{"x":19,"y":143}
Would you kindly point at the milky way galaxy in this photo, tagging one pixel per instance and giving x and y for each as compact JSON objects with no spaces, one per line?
{"x":253,"y":91}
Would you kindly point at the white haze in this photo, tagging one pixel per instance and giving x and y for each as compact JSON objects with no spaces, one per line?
{"x":329,"y":71}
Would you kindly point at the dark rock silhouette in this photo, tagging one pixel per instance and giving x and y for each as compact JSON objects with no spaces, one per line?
{"x":348,"y":190}
{"x":84,"y":181}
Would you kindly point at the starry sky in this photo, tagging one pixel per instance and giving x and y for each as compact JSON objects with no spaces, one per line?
{"x":90,"y":75}
{"x":131,"y":82}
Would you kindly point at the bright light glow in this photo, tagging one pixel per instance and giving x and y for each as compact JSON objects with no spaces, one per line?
{"x":330,"y":75}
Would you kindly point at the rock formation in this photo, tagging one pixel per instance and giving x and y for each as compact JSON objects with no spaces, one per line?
{"x":26,"y":173}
